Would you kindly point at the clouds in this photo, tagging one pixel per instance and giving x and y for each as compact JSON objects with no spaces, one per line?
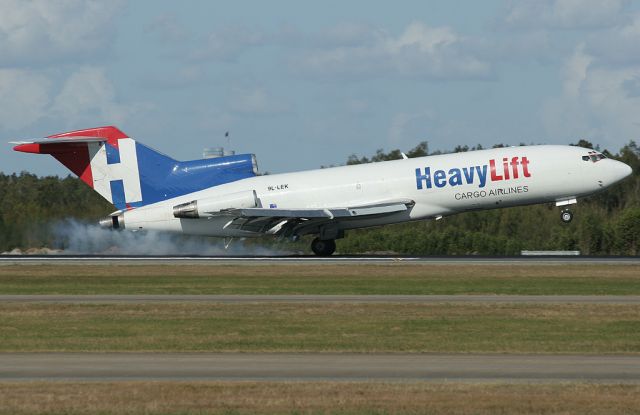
{"x":24,"y":97}
{"x":587,"y":51}
{"x":365,"y":78}
{"x":407,"y":126}
{"x":618,"y":45}
{"x":166,"y":28}
{"x":342,"y":34}
{"x":420,"y":52}
{"x":564,"y":14}
{"x":593,"y":49}
{"x":52,"y":54}
{"x":598,"y":101}
{"x":255,"y":101}
{"x":226,"y":44}
{"x":88,"y":97}
{"x":222,"y":44}
{"x":344,"y":51}
{"x":43,"y":31}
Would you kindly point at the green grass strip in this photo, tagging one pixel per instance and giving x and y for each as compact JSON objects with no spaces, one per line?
{"x":505,"y":328}
{"x":529,"y":279}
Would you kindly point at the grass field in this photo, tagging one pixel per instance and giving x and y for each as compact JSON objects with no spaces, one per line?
{"x":315,"y":398}
{"x":331,"y":327}
{"x":326,"y":279}
{"x":504,"y":328}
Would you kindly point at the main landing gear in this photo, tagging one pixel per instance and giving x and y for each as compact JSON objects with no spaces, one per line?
{"x":566,"y":215}
{"x":323,"y":247}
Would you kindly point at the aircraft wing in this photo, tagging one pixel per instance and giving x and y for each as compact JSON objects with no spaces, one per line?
{"x":275,"y":221}
{"x":330,"y":213}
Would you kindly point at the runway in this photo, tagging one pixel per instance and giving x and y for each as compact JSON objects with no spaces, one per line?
{"x":306,"y":260}
{"x":345,"y":299}
{"x":317,"y":366}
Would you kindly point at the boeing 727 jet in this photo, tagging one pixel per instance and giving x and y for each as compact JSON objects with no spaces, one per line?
{"x":225,"y":196}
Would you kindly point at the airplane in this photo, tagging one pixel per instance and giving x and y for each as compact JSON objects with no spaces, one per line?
{"x":227,"y":197}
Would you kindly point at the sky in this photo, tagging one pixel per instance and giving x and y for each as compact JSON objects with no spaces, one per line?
{"x":305,"y":84}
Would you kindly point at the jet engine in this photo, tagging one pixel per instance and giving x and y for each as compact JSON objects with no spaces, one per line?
{"x":203,"y":208}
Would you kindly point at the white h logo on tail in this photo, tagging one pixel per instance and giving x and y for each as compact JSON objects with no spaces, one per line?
{"x":127,"y":170}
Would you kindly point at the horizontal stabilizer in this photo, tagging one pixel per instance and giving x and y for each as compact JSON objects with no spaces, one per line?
{"x":61,"y":140}
{"x":33,"y":146}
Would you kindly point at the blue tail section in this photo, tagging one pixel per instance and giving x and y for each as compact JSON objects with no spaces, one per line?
{"x":130,"y":174}
{"x":162,"y":177}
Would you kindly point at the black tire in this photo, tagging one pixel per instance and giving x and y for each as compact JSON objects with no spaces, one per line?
{"x":323,"y":247}
{"x":566,"y":216}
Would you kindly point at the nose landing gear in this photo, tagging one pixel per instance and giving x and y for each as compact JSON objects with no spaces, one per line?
{"x":566,"y":215}
{"x":323,"y":247}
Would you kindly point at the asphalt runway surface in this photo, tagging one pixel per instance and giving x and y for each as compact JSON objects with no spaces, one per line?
{"x":343,"y":299}
{"x":309,"y":260}
{"x":317,"y":366}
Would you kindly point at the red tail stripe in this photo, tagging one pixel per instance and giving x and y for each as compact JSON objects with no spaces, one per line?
{"x":111,"y":133}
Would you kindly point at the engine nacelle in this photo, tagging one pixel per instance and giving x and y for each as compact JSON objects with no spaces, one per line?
{"x":208,"y":207}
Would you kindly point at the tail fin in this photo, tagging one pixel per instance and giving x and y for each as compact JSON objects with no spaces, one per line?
{"x":130,"y":174}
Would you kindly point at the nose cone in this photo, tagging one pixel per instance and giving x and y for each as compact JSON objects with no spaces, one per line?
{"x":619,"y":170}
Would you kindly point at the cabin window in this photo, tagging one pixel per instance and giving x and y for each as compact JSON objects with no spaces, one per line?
{"x":585,"y":158}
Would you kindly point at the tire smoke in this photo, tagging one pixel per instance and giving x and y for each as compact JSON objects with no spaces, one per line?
{"x":71,"y":236}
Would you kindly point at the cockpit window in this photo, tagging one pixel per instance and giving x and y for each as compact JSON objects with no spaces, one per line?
{"x":594,"y":157}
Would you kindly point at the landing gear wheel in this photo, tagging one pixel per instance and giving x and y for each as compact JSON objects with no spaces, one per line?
{"x":566,"y":216}
{"x":323,"y":247}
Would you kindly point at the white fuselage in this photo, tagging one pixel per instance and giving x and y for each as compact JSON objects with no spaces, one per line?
{"x":439,"y":185}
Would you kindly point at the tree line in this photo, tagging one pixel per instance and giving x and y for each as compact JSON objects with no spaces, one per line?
{"x":607,"y":223}
{"x":30,"y":206}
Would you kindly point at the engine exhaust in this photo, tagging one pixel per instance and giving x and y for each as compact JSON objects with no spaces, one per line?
{"x":187,"y":210}
{"x":115,"y":222}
